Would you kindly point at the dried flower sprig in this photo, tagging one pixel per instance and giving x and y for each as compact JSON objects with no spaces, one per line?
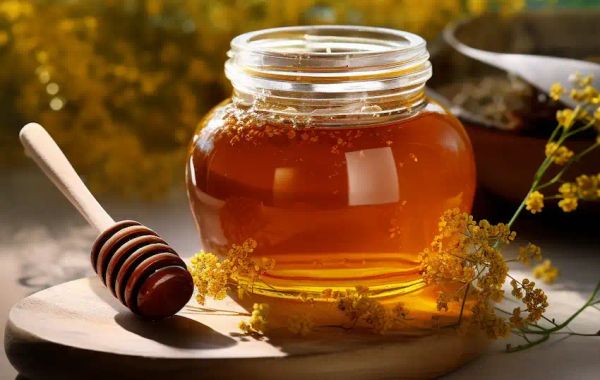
{"x":214,"y":277}
{"x":469,"y":253}
{"x":358,"y":307}
{"x":571,"y":122}
{"x":258,"y":322}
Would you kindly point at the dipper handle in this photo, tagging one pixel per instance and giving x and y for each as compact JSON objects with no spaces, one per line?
{"x":48,"y":156}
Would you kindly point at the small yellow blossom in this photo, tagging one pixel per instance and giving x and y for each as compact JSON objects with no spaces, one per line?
{"x":586,"y":80}
{"x":546,"y":271}
{"x":566,"y":117}
{"x":556,"y":91}
{"x":516,"y":320}
{"x":535,"y":202}
{"x":568,"y":204}
{"x":588,"y":187}
{"x":300,"y":324}
{"x":212,"y":276}
{"x":587,"y":94}
{"x":209,"y":275}
{"x":580,"y":80}
{"x":357,"y":306}
{"x":535,"y":299}
{"x":516,"y":292}
{"x":569,"y":193}
{"x":567,"y":189}
{"x":258,"y":323}
{"x":560,"y":155}
{"x":529,"y":253}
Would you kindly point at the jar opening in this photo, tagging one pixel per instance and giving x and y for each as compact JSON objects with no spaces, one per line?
{"x":330,"y":70}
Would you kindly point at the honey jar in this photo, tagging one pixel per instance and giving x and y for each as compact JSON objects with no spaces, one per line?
{"x":330,"y":157}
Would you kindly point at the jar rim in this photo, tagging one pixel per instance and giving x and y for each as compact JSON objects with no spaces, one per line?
{"x":372,"y":40}
{"x":330,"y":67}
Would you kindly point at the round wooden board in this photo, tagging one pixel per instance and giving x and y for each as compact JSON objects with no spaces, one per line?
{"x":78,"y":330}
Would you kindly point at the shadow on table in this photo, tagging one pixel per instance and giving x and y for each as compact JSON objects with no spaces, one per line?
{"x":176,"y":331}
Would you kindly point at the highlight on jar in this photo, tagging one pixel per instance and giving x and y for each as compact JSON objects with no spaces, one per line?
{"x":326,"y":173}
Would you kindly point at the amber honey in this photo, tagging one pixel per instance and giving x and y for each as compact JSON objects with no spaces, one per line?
{"x":335,"y":207}
{"x":341,"y":185}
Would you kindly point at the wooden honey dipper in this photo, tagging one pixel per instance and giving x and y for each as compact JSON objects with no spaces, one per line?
{"x":134,"y":263}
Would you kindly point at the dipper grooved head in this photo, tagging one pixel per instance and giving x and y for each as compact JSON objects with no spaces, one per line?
{"x":141,"y":270}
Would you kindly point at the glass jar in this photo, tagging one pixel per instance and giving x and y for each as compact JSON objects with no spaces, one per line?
{"x":330,"y":156}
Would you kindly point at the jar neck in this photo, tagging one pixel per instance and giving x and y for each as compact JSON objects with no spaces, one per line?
{"x":329,"y":72}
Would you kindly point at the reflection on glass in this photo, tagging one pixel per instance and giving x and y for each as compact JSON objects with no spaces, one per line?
{"x":372,"y":177}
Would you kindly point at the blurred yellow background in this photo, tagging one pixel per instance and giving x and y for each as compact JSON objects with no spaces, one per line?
{"x":122,"y":84}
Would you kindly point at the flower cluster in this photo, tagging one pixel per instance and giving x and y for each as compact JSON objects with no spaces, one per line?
{"x":534,"y":299}
{"x":570,"y":122}
{"x":529,"y":253}
{"x":213,"y":277}
{"x":586,"y":187}
{"x":258,"y":322}
{"x":535,"y":202}
{"x":468,"y":253}
{"x":560,"y":155}
{"x":460,"y":246}
{"x":546,"y":271}
{"x":359,"y":307}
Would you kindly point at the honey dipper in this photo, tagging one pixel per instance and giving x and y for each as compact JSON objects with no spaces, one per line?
{"x":134,"y":263}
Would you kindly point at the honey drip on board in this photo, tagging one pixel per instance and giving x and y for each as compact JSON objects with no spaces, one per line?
{"x":335,"y":207}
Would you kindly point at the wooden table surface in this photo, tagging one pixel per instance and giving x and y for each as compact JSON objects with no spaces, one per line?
{"x":43,"y":242}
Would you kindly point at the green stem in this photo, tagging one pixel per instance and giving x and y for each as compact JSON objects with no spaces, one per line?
{"x":528,"y":345}
{"x":589,"y":302}
{"x":572,"y":161}
{"x":537,"y":177}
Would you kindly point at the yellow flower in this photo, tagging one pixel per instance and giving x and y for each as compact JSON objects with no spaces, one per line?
{"x":556,"y":90}
{"x":568,"y":204}
{"x":517,"y":291}
{"x":581,"y":80}
{"x":258,"y":323}
{"x":213,"y":276}
{"x":597,"y":114}
{"x":566,"y":117}
{"x":546,"y":271}
{"x":357,"y":306}
{"x":568,"y":189}
{"x":588,"y":187}
{"x":528,"y":253}
{"x":560,"y":155}
{"x":587,"y":93}
{"x":586,"y":80}
{"x":516,"y":320}
{"x":535,"y":202}
{"x":535,"y":299}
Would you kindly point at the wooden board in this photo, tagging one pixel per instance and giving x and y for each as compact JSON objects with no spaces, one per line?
{"x":77,"y":330}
